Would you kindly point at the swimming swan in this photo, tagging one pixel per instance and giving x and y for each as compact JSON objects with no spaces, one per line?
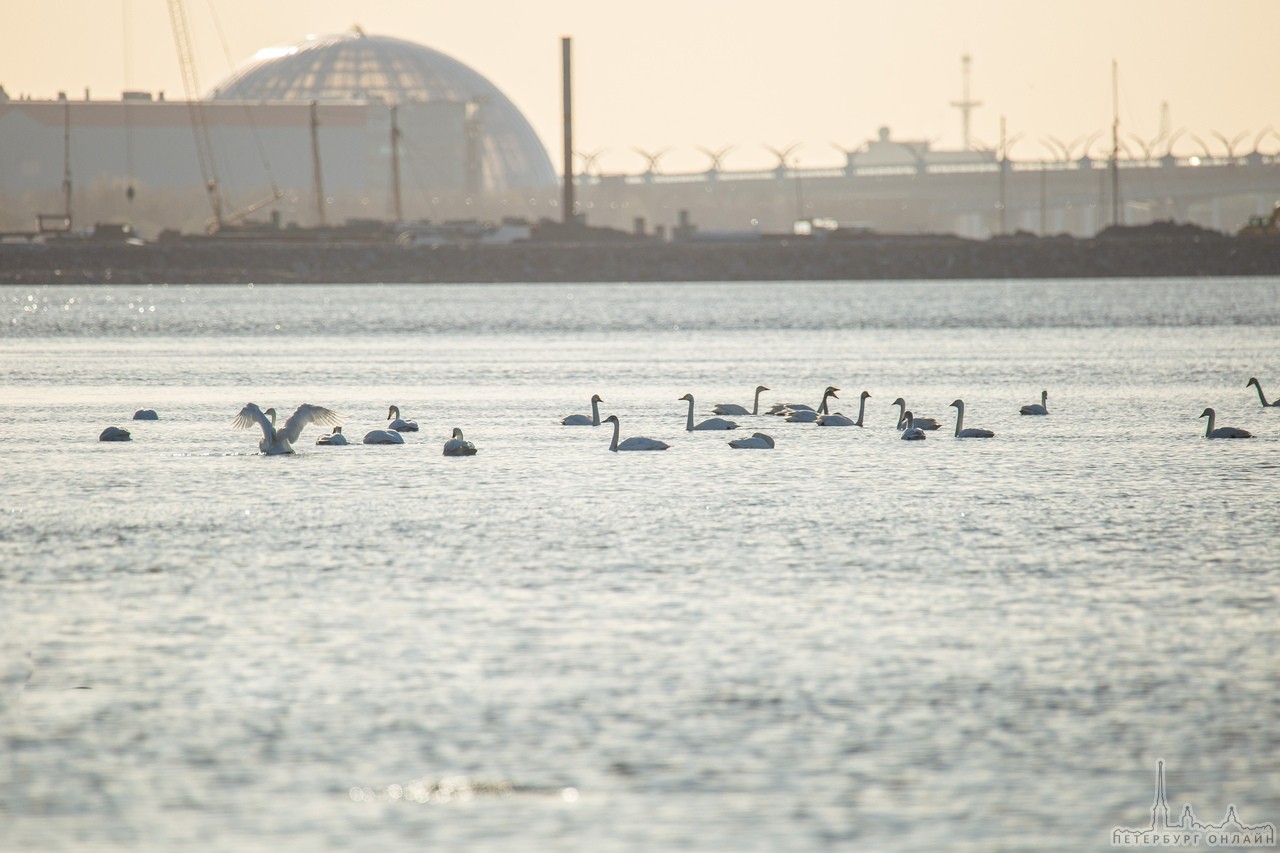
{"x":912,"y":432}
{"x":632,"y":443}
{"x":333,"y":439}
{"x":115,"y":434}
{"x":1222,"y":432}
{"x":383,"y":436}
{"x":972,"y":432}
{"x":758,"y":441}
{"x":393,"y":415}
{"x":735,"y":409}
{"x":786,"y":410}
{"x":276,"y":442}
{"x":583,"y":420}
{"x":710,"y":423}
{"x":1041,"y":408}
{"x":459,"y":446}
{"x":920,"y":423}
{"x":1256,"y":384}
{"x":841,"y":420}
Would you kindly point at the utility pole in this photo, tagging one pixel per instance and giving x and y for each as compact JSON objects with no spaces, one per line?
{"x":395,"y":163}
{"x":315,"y":162}
{"x":967,"y":105}
{"x":1115,"y":144}
{"x":567,"y":74}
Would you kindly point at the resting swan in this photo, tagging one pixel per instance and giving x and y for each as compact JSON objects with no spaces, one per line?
{"x":333,"y":439}
{"x":146,"y":415}
{"x":459,"y":446}
{"x":584,"y":420}
{"x":1256,"y":384}
{"x":393,"y":415}
{"x":758,"y":441}
{"x":920,"y":423}
{"x":912,"y":432}
{"x":735,"y":409}
{"x":278,"y":442}
{"x":383,"y":436}
{"x":972,"y":432}
{"x":115,"y":434}
{"x":1222,"y":432}
{"x":710,"y":423}
{"x":1041,"y":408}
{"x":632,"y":443}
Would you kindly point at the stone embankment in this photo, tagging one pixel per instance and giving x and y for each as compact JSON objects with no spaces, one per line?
{"x":866,"y":257}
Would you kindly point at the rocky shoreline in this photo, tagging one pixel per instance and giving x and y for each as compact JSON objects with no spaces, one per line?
{"x":865,"y":257}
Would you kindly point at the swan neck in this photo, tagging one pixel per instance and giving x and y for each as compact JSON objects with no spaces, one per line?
{"x":595,"y":412}
{"x":959,"y":419}
{"x":1209,"y":428}
{"x":1258,"y":387}
{"x":614,"y":444}
{"x":689,"y":424}
{"x":755,"y":410}
{"x":862,"y":408}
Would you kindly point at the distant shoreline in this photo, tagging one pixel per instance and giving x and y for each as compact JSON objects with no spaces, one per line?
{"x":867,"y":257}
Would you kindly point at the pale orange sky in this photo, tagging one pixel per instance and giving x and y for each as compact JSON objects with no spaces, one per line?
{"x":681,"y":74}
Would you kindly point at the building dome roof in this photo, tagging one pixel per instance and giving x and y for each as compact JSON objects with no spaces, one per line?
{"x":358,"y":67}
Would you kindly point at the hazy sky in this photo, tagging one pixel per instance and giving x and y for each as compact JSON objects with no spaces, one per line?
{"x":681,"y":74}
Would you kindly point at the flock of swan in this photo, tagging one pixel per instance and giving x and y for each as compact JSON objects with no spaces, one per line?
{"x":280,"y":439}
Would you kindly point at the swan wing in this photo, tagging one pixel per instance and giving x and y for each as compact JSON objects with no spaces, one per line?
{"x":249,"y":416}
{"x":308,"y":414}
{"x":638,"y":443}
{"x":716,"y":423}
{"x":577,"y":420}
{"x":730,"y":409}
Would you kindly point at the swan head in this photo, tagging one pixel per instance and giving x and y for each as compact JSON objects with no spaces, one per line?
{"x":866,"y":394}
{"x":612,"y":419}
{"x":457,"y":433}
{"x":271,"y":413}
{"x":899,"y":402}
{"x":688,"y":397}
{"x":959,"y":404}
{"x":1252,"y":381}
{"x":909,"y":418}
{"x":831,"y":390}
{"x":760,"y":388}
{"x":393,"y":412}
{"x":1207,"y":413}
{"x":596,"y":398}
{"x":337,"y":430}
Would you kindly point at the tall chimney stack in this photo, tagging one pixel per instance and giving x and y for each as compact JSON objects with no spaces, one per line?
{"x":566,"y":71}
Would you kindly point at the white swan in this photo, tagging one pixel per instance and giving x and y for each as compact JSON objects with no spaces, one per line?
{"x":862,"y":407}
{"x":758,"y":441}
{"x":710,"y":423}
{"x":276,"y":442}
{"x":383,"y":436}
{"x":735,"y":409}
{"x":393,"y":415}
{"x":1222,"y":432}
{"x":1265,"y":404}
{"x":459,"y":446}
{"x":333,"y":439}
{"x":912,"y":432}
{"x":786,"y":410}
{"x":146,"y":415}
{"x":632,"y":443}
{"x":972,"y":432}
{"x":115,"y":434}
{"x":1041,"y":408}
{"x":834,"y":419}
{"x":920,"y":423}
{"x":584,"y":420}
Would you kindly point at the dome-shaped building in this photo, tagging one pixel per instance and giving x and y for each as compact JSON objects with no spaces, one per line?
{"x":355,"y":67}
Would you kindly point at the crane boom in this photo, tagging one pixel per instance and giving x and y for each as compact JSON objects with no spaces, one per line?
{"x":199,"y":125}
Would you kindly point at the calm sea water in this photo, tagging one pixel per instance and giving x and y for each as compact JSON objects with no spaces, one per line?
{"x":849,"y":642}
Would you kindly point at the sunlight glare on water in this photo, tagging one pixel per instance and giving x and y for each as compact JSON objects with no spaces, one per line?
{"x":850,"y":641}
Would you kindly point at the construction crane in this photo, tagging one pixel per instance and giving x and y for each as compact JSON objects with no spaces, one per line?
{"x":200,"y":126}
